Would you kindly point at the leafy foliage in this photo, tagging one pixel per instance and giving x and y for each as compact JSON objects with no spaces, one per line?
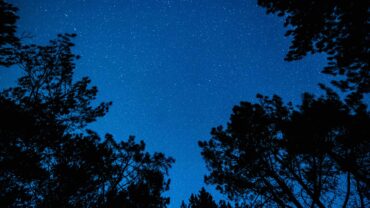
{"x":47,"y":156}
{"x":338,"y":28}
{"x":204,"y":200}
{"x":316,"y":154}
{"x":272,"y":154}
{"x":8,"y":38}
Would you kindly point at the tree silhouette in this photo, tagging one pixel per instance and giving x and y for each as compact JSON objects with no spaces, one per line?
{"x":204,"y":200}
{"x":8,"y":38}
{"x":47,"y":156}
{"x":316,"y":154}
{"x":276,"y":155}
{"x":338,"y":28}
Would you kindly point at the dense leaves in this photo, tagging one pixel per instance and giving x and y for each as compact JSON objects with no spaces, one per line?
{"x":316,"y":154}
{"x":47,"y":84}
{"x":8,"y":38}
{"x":47,"y":156}
{"x":273,"y":154}
{"x":204,"y":200}
{"x":338,"y":28}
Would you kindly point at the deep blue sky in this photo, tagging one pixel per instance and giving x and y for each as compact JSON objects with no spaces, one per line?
{"x":173,"y":68}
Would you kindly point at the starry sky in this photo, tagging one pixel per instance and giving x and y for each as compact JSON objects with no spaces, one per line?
{"x":173,"y":68}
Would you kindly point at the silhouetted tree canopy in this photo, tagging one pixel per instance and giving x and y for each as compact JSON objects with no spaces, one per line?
{"x":338,"y":28}
{"x":204,"y":200}
{"x":47,"y":156}
{"x":8,"y":38}
{"x":272,"y":154}
{"x":316,"y":154}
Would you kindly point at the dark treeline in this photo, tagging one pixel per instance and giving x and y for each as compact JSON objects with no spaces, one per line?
{"x":315,"y":154}
{"x":270,"y":154}
{"x":47,"y":157}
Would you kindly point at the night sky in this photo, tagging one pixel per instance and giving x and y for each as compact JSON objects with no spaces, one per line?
{"x":173,"y":68}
